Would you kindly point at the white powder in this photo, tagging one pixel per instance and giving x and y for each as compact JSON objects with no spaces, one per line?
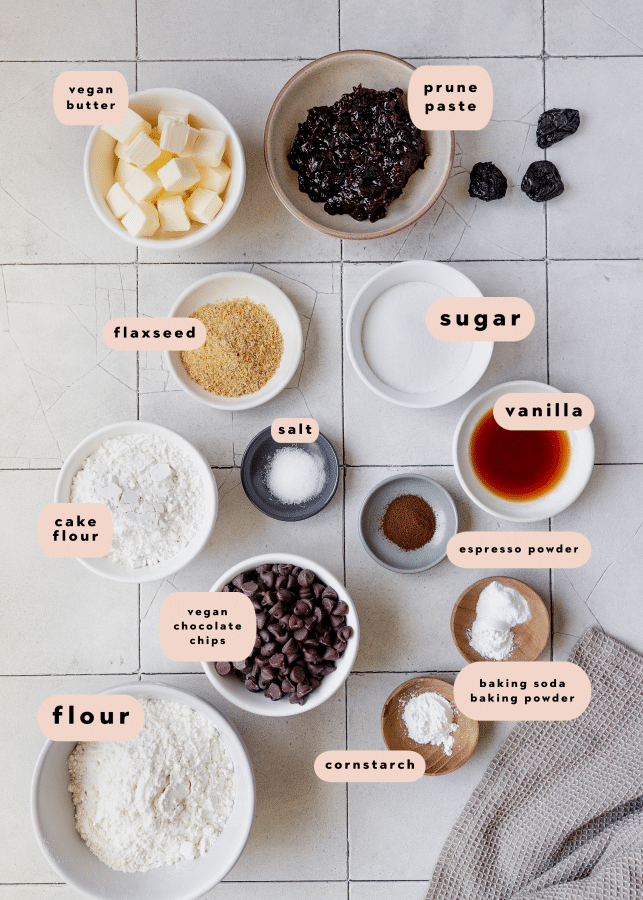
{"x":160,"y":798}
{"x":399,"y":348}
{"x":498,"y":609}
{"x":295,"y":476}
{"x":153,"y":491}
{"x":429,"y":720}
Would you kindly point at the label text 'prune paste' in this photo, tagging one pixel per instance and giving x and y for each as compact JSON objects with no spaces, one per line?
{"x":357,"y":155}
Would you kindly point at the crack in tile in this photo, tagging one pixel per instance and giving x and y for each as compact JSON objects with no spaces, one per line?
{"x":591,"y":612}
{"x":614,"y":561}
{"x":609,"y":25}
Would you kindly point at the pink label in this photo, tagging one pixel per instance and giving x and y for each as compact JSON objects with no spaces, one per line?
{"x":90,"y":717}
{"x":480,"y":319}
{"x":294,"y":431}
{"x":90,"y":98}
{"x":196,"y":626}
{"x":75,"y":530}
{"x":519,"y":550}
{"x":543,"y":412}
{"x":450,"y":98}
{"x":154,"y":334}
{"x":522,"y":691}
{"x":369,"y":765}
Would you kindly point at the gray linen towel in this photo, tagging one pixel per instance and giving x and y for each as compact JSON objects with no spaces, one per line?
{"x":558,"y":814}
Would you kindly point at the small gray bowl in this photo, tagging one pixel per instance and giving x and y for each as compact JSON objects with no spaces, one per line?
{"x":388,"y":554}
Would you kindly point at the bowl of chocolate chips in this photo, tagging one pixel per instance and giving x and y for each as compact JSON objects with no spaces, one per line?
{"x":307,"y":636}
{"x":342,"y":153}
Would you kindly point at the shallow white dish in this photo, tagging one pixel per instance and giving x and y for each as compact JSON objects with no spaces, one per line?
{"x":569,"y":489}
{"x":435,"y":274}
{"x":226,"y":286}
{"x":52,"y":815}
{"x":106,"y":567}
{"x":233,"y":690}
{"x":99,"y":166}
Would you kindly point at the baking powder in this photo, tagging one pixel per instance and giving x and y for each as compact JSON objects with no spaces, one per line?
{"x":153,"y":491}
{"x":160,"y":798}
{"x":499,"y":608}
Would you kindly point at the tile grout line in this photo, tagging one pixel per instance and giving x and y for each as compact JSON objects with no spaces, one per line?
{"x":304,"y":59}
{"x":318,"y":262}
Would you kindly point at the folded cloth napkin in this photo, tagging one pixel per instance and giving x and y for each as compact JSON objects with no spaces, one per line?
{"x":558,"y":814}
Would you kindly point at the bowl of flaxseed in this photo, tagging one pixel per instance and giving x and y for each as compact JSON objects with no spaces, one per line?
{"x":253,"y":345}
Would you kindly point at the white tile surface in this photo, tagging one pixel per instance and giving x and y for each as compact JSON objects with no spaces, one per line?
{"x":500,"y":28}
{"x":458,"y":227}
{"x":72,"y":30}
{"x":385,"y":890}
{"x":286,"y":842}
{"x":405,"y":841}
{"x":20,"y":699}
{"x":588,"y":299}
{"x":594,"y":27}
{"x":229,"y":30}
{"x":377,"y":432}
{"x":49,"y":603}
{"x":599,"y":214}
{"x":261,"y":230}
{"x":405,"y":620}
{"x":45,"y":214}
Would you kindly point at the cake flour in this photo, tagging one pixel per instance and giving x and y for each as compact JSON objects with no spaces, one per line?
{"x":160,"y":798}
{"x":153,"y":491}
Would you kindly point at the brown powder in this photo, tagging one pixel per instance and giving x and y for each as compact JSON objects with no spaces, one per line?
{"x":409,"y":522}
{"x":242,"y":350}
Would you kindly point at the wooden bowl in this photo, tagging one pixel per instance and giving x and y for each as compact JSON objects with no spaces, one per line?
{"x":530,"y":639}
{"x":396,"y":736}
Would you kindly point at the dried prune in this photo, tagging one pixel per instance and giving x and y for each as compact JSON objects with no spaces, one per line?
{"x":542,"y":181}
{"x":356,"y":156}
{"x":556,"y":124}
{"x":487,"y":182}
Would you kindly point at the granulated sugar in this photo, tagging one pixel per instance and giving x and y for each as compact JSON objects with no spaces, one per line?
{"x":162,"y":797}
{"x":153,"y":491}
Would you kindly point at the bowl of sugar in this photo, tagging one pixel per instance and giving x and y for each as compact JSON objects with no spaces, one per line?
{"x":289,"y":482}
{"x":391,"y":348}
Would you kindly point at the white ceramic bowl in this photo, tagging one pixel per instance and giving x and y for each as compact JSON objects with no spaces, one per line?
{"x":106,"y":567}
{"x":226,"y":286}
{"x":234,"y":691}
{"x":452,"y":283}
{"x":563,"y":495}
{"x":52,"y":815}
{"x":100,"y":163}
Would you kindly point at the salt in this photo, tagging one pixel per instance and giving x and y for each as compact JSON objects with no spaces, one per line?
{"x":399,"y":348}
{"x":294,"y":476}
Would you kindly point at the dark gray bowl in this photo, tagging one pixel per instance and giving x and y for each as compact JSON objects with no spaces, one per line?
{"x":253,"y":466}
{"x":388,"y":554}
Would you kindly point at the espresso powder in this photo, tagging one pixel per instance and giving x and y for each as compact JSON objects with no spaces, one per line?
{"x":409,"y":522}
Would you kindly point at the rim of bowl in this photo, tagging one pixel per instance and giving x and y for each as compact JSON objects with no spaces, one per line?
{"x":381,"y":484}
{"x":483,"y":348}
{"x":278,"y":709}
{"x":201,"y":234}
{"x":526,"y":386}
{"x":334,"y":232}
{"x":245,"y":402}
{"x":138,"y":687}
{"x":273,"y":515}
{"x":189,"y":449}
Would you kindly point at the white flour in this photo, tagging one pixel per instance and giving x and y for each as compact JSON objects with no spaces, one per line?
{"x":429,"y":720}
{"x":401,"y":350}
{"x":153,"y":491}
{"x":160,"y":798}
{"x":499,"y":608}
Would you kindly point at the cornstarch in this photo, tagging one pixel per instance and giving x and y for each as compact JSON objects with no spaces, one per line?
{"x":429,"y":720}
{"x":160,"y":798}
{"x":153,"y":491}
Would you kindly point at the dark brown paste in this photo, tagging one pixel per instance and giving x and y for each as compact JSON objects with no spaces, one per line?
{"x":356,"y":156}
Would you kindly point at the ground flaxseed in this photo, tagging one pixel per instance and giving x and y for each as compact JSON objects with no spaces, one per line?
{"x":242,"y":350}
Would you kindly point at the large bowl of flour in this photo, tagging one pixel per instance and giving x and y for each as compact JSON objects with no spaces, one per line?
{"x":52,"y":809}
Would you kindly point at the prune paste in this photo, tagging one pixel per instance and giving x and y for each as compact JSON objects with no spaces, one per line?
{"x":542,"y":182}
{"x":357,"y":155}
{"x":556,"y":124}
{"x":487,"y":182}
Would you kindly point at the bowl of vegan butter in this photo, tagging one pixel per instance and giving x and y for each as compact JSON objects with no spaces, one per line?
{"x":170,"y":175}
